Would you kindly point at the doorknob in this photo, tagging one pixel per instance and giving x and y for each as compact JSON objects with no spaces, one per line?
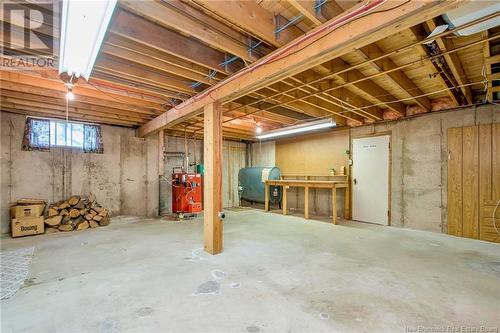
{"x":355,"y":181}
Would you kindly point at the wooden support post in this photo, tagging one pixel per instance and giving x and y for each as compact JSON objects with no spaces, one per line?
{"x":283,"y":204}
{"x":347,"y":201}
{"x":161,"y":152}
{"x":334,"y":204}
{"x":266,"y":197}
{"x":212,"y":143}
{"x":306,"y":202}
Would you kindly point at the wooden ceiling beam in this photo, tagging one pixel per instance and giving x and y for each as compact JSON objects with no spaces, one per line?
{"x":398,"y":77}
{"x":135,"y":28}
{"x":246,"y":100}
{"x":125,"y":43}
{"x":80,"y":89}
{"x":371,"y":90}
{"x":419,"y":33}
{"x":113,"y":65}
{"x":155,"y":63}
{"x":453,"y":61}
{"x":115,"y":81}
{"x":15,"y":102}
{"x":47,"y":92}
{"x":51,"y":113}
{"x":306,"y":8}
{"x":168,"y":16}
{"x":253,"y":18}
{"x":16,"y":96}
{"x":326,"y":42}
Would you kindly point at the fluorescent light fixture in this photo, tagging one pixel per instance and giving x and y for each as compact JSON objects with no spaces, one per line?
{"x":307,"y":127}
{"x":471,"y":11}
{"x":84,"y":25}
{"x":437,"y":30}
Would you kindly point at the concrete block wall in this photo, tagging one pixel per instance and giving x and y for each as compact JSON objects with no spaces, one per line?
{"x":124,"y":178}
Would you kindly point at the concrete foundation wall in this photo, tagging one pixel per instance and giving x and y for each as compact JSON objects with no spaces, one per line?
{"x":419,"y":163}
{"x":124,"y":178}
{"x":419,"y":166}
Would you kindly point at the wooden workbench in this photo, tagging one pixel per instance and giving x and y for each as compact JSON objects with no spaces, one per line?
{"x":307,"y":184}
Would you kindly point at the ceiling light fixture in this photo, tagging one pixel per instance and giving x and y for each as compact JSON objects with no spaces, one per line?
{"x":258,"y":129}
{"x":84,"y":25}
{"x":306,"y":127}
{"x":69,"y":94}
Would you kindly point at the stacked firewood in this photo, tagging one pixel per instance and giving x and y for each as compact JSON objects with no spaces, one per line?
{"x":76,"y":213}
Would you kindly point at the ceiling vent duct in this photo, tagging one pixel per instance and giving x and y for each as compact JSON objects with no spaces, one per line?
{"x":472,"y":11}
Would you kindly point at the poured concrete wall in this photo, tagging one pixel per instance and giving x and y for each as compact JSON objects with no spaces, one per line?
{"x":419,"y":163}
{"x":124,"y":178}
{"x":419,"y":166}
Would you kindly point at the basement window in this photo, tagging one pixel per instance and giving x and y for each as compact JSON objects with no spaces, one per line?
{"x":64,"y":134}
{"x":42,"y":134}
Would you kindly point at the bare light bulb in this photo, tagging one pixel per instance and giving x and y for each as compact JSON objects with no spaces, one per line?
{"x":70,"y":96}
{"x":258,"y":129}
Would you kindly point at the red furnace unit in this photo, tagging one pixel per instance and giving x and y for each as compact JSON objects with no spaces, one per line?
{"x":186,"y":193}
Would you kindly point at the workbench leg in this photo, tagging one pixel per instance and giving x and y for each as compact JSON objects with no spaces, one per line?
{"x":266,"y":197}
{"x":347,"y":206}
{"x":334,"y":204}
{"x":284,"y":200}
{"x":306,"y":202}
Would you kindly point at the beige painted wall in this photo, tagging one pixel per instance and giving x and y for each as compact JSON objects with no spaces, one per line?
{"x":314,"y":154}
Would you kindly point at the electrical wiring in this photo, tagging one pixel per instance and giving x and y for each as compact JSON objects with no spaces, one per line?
{"x":397,"y":51}
{"x":346,"y":18}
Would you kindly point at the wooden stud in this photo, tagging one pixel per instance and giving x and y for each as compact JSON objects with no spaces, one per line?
{"x":306,"y":202}
{"x":347,"y":203}
{"x":212,"y":142}
{"x":334,"y":205}
{"x":307,"y":10}
{"x":266,"y":197}
{"x":284,"y":201}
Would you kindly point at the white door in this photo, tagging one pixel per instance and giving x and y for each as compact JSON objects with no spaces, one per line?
{"x":370,"y":179}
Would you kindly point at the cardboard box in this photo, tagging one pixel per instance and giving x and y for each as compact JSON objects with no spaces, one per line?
{"x":26,"y":226}
{"x":19,"y":211}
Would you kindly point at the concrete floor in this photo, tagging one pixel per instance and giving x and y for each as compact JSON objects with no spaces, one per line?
{"x":277,"y":274}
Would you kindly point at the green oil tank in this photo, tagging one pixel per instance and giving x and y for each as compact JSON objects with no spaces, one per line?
{"x":251,"y":185}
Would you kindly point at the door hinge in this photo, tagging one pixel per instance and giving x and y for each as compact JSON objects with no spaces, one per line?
{"x":388,"y":213}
